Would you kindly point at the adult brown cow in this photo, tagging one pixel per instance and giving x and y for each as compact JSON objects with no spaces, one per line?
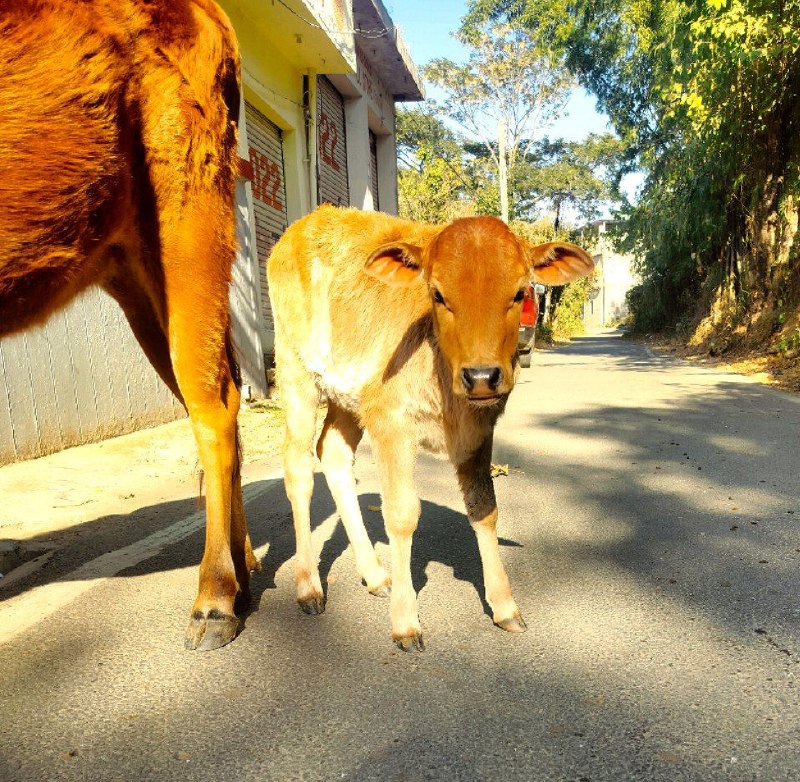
{"x":117,"y":163}
{"x":410,"y":331}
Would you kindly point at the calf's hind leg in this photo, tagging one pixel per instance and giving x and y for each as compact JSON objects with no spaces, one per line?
{"x":300,"y":397}
{"x":341,"y":434}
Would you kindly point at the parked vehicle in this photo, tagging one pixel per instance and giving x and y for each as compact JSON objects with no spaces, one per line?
{"x":527,"y":323}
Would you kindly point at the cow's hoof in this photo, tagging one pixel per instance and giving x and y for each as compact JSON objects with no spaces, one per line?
{"x":210,"y":630}
{"x":410,"y":643}
{"x":384,"y":590}
{"x":514,"y":624}
{"x":314,"y":606}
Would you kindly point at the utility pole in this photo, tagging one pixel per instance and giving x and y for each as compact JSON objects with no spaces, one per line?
{"x":503,"y":171}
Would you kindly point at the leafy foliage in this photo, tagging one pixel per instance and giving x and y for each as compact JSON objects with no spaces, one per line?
{"x":705,"y":95}
{"x":434,"y":180}
{"x":567,"y":317}
{"x":443,"y":174}
{"x":509,"y":89}
{"x":578,"y":175}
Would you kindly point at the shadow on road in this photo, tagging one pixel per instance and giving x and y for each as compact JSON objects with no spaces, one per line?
{"x":605,"y":347}
{"x":449,"y":541}
{"x":706,"y":485}
{"x":709,"y":519}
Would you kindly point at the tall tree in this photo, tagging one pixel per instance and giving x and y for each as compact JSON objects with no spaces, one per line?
{"x":577,"y":177}
{"x":509,"y":90}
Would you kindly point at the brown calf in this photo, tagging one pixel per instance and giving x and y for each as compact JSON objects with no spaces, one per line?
{"x":117,"y":166}
{"x":410,"y":331}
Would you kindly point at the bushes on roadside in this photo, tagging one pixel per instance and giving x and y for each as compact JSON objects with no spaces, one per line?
{"x":567,"y":305}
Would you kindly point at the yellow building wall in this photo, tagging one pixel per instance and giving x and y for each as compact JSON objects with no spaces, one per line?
{"x":275,"y":88}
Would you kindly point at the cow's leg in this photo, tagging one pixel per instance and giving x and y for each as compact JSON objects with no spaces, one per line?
{"x":395,"y":452}
{"x":336,"y":448}
{"x":212,"y":402}
{"x":244,"y":560}
{"x":475,"y":478}
{"x":300,"y":397}
{"x":196,"y":263}
{"x":212,"y":407}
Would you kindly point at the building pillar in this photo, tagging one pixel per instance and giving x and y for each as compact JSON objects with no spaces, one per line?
{"x":357,"y":121}
{"x":387,"y":173}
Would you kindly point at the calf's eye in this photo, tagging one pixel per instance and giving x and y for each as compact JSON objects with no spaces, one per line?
{"x":520,"y":295}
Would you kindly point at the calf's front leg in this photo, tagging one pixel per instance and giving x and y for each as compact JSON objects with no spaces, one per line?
{"x":395,"y":454}
{"x":336,"y":448}
{"x":474,"y":476}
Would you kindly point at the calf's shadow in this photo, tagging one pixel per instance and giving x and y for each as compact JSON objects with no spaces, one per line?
{"x":443,"y":535}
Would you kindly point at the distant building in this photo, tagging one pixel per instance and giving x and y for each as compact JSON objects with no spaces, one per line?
{"x":614,"y":278}
{"x":320,"y":79}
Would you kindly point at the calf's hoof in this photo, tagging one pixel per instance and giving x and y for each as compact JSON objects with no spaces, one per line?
{"x":377,"y":581}
{"x":410,"y":643}
{"x":313,"y":606}
{"x":384,"y":590}
{"x":514,"y":624}
{"x":210,"y":629}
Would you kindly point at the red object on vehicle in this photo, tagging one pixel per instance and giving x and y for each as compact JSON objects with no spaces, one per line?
{"x":530,"y":308}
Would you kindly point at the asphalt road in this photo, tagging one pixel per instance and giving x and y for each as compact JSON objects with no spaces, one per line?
{"x":651,"y":529}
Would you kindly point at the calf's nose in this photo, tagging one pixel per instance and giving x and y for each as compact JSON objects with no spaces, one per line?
{"x":481,"y":380}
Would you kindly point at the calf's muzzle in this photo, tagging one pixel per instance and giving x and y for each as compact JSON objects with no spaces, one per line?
{"x":481,"y":381}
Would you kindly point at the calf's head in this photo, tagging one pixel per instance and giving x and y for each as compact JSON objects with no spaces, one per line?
{"x":475,"y":270}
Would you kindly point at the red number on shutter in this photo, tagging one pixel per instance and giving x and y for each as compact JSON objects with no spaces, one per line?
{"x":334,"y":142}
{"x":327,"y":131}
{"x":274,"y":176}
{"x":324,"y":132}
{"x":266,"y":180}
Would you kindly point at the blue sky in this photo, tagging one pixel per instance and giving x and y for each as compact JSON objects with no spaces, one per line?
{"x":427,"y":26}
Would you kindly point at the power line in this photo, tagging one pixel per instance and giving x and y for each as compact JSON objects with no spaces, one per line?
{"x":378,"y":32}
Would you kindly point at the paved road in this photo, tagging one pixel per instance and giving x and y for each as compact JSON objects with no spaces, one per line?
{"x":651,"y":524}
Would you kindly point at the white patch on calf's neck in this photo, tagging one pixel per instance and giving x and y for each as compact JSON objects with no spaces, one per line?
{"x":317,"y":270}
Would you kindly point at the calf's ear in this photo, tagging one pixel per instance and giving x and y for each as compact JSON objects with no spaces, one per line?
{"x":557,"y":263}
{"x":395,"y":264}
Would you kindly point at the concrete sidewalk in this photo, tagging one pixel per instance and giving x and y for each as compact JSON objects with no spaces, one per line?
{"x":49,"y":502}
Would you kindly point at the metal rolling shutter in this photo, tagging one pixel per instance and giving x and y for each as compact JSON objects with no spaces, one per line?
{"x":269,"y":192}
{"x":332,"y":183}
{"x":373,"y":170}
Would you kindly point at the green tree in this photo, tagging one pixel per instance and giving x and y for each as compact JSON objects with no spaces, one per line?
{"x":433,"y":180}
{"x":705,"y":95}
{"x":509,"y":89}
{"x":580,"y":176}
